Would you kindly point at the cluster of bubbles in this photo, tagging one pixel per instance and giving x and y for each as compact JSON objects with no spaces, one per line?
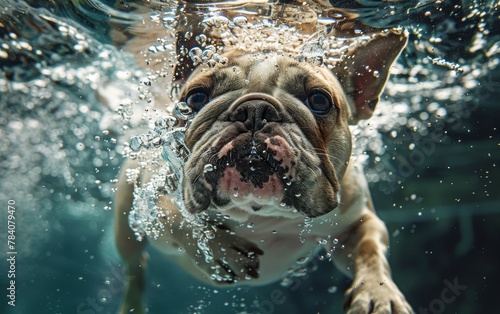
{"x":317,"y":45}
{"x":165,"y":142}
{"x":58,"y":137}
{"x":43,"y":42}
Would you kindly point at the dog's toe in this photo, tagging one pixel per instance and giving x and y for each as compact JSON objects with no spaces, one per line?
{"x":400,"y":307}
{"x":372,"y":298}
{"x":360,"y":304}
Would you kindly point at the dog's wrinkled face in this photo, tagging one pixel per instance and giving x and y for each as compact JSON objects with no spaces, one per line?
{"x":270,"y":138}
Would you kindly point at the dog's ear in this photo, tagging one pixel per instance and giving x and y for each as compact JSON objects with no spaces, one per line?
{"x":363,"y":72}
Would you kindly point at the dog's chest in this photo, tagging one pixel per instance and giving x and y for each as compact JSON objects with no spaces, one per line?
{"x":284,"y":242}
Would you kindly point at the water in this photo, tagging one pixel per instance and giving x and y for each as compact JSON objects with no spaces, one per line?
{"x":73,"y":94}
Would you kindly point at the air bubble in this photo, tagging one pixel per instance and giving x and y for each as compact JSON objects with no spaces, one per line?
{"x":336,"y":15}
{"x":201,"y":39}
{"x":216,"y":21}
{"x":209,"y":234}
{"x":182,"y":111}
{"x":160,"y":124}
{"x":208,"y":168}
{"x":302,"y":260}
{"x":156,"y":142}
{"x":135,"y":143}
{"x":169,"y":21}
{"x":172,"y":121}
{"x":195,"y":52}
{"x":240,"y":20}
{"x":207,"y":55}
{"x":286,"y":282}
{"x":332,"y":289}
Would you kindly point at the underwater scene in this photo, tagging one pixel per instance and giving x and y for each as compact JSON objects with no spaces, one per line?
{"x":88,"y":85}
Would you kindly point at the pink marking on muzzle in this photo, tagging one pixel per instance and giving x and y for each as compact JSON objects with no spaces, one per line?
{"x":282,"y":151}
{"x":225,"y":149}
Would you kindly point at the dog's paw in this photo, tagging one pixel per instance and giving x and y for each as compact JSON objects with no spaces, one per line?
{"x":380,"y":297}
{"x":234,"y":258}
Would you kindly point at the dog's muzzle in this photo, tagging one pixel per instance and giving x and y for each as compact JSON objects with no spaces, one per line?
{"x":254,"y":161}
{"x":255,"y":158}
{"x":259,"y":161}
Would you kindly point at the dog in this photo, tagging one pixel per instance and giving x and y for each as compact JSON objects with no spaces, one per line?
{"x":276,"y":131}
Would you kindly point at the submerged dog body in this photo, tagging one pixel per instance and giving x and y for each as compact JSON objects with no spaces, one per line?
{"x":274,"y":134}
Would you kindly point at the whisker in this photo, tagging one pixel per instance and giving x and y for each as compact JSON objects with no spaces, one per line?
{"x":321,"y":152}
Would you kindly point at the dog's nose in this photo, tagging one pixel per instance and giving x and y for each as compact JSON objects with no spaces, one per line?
{"x":255,"y":113}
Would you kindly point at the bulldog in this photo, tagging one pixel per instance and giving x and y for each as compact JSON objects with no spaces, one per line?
{"x":275,"y":132}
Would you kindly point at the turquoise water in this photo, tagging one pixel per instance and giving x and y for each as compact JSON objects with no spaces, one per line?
{"x":72,"y":93}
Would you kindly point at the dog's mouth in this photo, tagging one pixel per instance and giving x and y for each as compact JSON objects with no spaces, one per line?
{"x":258,"y":170}
{"x":250,"y":172}
{"x":255,"y":164}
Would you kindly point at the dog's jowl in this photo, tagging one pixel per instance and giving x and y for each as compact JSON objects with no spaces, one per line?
{"x":275,"y":132}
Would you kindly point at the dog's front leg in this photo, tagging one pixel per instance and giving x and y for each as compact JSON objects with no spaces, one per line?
{"x":131,"y":251}
{"x":364,"y":256}
{"x":221,"y":255}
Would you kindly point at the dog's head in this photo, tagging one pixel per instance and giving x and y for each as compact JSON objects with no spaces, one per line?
{"x":271,"y":134}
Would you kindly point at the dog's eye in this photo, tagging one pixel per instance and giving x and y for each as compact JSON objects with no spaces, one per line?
{"x":197,"y":98}
{"x":318,"y":102}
